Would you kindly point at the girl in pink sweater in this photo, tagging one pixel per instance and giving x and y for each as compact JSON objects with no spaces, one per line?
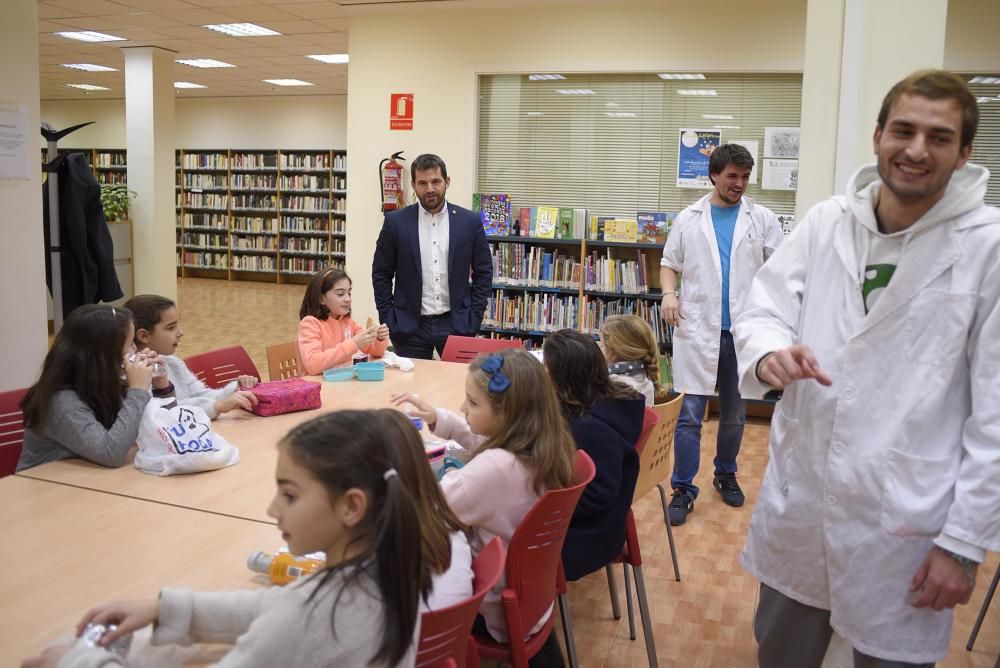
{"x":328,"y":337}
{"x":519,"y":449}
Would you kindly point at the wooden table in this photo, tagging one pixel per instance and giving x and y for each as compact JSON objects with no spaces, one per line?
{"x":67,"y":549}
{"x":245,"y":490}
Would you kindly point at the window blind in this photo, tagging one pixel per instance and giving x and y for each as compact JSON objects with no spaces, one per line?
{"x":986,"y":145}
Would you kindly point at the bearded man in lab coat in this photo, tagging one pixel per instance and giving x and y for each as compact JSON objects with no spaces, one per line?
{"x":716,"y":245}
{"x":880,"y":318}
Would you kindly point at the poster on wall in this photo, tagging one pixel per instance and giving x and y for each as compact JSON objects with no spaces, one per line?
{"x":787,"y":222}
{"x":14,"y":163}
{"x":752,"y":146}
{"x":401,"y":111}
{"x":781,"y":143}
{"x":780,"y":174}
{"x":693,"y":149}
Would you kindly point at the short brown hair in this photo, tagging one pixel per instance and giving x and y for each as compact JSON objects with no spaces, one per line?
{"x":321,"y":283}
{"x":936,"y":85}
{"x":728,"y":154}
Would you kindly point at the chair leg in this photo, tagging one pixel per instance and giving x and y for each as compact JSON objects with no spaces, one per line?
{"x":647,"y":623}
{"x":670,"y":533}
{"x":567,"y":624}
{"x":616,"y":609}
{"x":982,"y":611}
{"x":628,"y":602}
{"x":471,"y":653}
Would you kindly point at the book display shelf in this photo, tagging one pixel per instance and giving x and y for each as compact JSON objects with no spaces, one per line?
{"x":266,"y":215}
{"x":109,"y":164}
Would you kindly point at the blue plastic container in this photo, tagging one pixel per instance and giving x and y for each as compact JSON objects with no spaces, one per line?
{"x":339,"y":374}
{"x":370,"y":370}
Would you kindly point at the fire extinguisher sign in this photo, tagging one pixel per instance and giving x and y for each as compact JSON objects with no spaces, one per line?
{"x":401,"y":111}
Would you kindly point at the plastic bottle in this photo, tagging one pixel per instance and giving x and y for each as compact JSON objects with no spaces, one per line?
{"x":283,"y":567}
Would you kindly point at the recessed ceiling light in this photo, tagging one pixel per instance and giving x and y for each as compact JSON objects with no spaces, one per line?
{"x":717,"y":117}
{"x":332,"y":58}
{"x":535,"y":113}
{"x":575,"y":91}
{"x":241,"y":29}
{"x":620,"y":114}
{"x":90,"y":36}
{"x":682,"y":76}
{"x":87,"y":67}
{"x":984,"y":80}
{"x":187,"y":84}
{"x":545,"y":77}
{"x":287,"y":82}
{"x":204,"y":62}
{"x":696,"y":91}
{"x":87,"y":87}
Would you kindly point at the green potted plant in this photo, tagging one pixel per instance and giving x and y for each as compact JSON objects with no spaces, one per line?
{"x":115,"y":199}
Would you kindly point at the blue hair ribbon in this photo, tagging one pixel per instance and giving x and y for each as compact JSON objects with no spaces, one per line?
{"x":492,"y":366}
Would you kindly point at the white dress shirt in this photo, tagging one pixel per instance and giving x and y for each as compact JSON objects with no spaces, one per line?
{"x":434,"y":239}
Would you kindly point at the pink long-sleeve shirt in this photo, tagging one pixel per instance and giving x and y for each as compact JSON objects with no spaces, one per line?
{"x":324,"y":344}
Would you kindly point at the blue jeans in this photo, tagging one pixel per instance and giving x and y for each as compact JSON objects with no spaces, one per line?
{"x":733,"y":409}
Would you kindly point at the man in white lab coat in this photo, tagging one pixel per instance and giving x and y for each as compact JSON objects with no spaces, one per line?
{"x":880,"y":318}
{"x":716,"y":245}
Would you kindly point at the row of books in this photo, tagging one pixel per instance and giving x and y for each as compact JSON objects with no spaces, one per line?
{"x":203,"y":200}
{"x":306,"y":265}
{"x":203,"y":219}
{"x":118,"y":178}
{"x":255,"y":243}
{"x":311,"y":224}
{"x":253,"y":263}
{"x":203,"y":240}
{"x":304,"y":182}
{"x":536,"y":312}
{"x":254,"y":201}
{"x":203,"y":259}
{"x":248,"y":181}
{"x":308,"y":244}
{"x":205,"y":161}
{"x":254,"y":160}
{"x":595,"y":310}
{"x":608,"y":274}
{"x":306,"y":202}
{"x":116,"y":159}
{"x":516,"y":265}
{"x":340,"y":162}
{"x":197,"y":180}
{"x":306,"y":161}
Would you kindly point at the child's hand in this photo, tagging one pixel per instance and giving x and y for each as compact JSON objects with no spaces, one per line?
{"x":365,"y":337}
{"x":238,"y":399}
{"x":382,"y":333}
{"x":246,"y":382}
{"x":128,"y":615}
{"x":138,"y":372}
{"x":160,"y":379}
{"x":50,"y":658}
{"x":421,"y":408}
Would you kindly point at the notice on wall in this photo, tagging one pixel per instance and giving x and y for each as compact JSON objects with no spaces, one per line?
{"x":781,"y":143}
{"x":787,"y":223}
{"x":752,"y":146}
{"x":14,"y":162}
{"x":693,"y":150}
{"x":780,"y":174}
{"x":401,"y":111}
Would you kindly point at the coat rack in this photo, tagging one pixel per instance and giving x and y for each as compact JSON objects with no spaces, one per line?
{"x":52,"y":162}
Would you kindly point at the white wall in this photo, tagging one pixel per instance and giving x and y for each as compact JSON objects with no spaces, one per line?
{"x":318,"y":121}
{"x":23,"y":335}
{"x":971,"y":43}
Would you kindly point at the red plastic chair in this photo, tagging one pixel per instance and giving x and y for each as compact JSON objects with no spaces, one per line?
{"x":467,"y":348}
{"x":11,"y":430}
{"x":534,"y":570}
{"x":219,"y":367}
{"x":445,"y":638}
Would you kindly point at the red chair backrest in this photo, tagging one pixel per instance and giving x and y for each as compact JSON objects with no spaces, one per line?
{"x":467,"y":348}
{"x":11,"y":430}
{"x":444,"y":634}
{"x":534,"y":555}
{"x":216,"y":368}
{"x":650,"y":419}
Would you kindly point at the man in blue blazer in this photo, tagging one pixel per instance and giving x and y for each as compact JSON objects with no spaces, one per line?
{"x":423,"y":261}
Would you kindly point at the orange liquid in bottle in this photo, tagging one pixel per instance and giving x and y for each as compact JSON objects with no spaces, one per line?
{"x":283,"y":567}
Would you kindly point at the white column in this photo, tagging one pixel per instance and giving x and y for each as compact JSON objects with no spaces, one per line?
{"x":23,"y":336}
{"x":149,"y":139}
{"x":855,"y":51}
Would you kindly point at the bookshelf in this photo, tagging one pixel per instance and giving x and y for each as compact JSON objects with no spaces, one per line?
{"x":110,"y":165}
{"x":266,"y":215}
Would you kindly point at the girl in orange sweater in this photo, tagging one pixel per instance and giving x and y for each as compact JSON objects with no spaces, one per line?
{"x":328,"y":337}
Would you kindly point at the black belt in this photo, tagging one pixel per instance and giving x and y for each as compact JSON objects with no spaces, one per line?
{"x":446,"y":314}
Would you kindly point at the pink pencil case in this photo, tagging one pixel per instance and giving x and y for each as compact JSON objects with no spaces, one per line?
{"x":286,"y":396}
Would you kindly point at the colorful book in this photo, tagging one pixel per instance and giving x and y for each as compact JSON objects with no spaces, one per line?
{"x":597,"y":227}
{"x":650,"y":224}
{"x":564,"y":228}
{"x":495,"y":213}
{"x":524,"y":221}
{"x":546,"y":218}
{"x":620,"y":229}
{"x":477,"y":199}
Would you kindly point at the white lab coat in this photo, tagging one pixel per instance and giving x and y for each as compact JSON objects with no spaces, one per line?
{"x":693,"y":252}
{"x":903,"y":451}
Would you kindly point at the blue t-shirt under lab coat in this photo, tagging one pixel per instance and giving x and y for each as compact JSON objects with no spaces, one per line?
{"x":724,"y":222}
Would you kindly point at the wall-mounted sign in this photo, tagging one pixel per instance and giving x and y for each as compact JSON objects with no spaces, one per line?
{"x":401,"y":111}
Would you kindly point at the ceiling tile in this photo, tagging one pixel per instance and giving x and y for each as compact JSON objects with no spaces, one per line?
{"x":198,"y":17}
{"x":185,"y":32}
{"x":299,"y":27}
{"x":218,"y":3}
{"x":316,"y":10}
{"x":47,"y":11}
{"x":91,"y":7}
{"x":340,"y":25}
{"x":98,"y":23}
{"x":156,"y":5}
{"x":144,"y":20}
{"x":256,"y":13}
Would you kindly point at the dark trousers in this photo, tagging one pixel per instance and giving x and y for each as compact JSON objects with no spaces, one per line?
{"x":795,"y":635}
{"x":733,"y":415}
{"x":549,"y":656}
{"x":431,"y":334}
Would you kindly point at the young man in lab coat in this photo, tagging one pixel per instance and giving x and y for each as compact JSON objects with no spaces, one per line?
{"x":880,"y":318}
{"x":716,"y":245}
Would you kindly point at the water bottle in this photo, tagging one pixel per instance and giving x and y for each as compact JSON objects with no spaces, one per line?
{"x":92,"y":634}
{"x":283,"y":567}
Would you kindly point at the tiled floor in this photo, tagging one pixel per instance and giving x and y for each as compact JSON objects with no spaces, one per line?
{"x":704,"y":621}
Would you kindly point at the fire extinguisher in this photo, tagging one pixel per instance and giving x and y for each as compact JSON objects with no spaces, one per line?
{"x":390,"y":174}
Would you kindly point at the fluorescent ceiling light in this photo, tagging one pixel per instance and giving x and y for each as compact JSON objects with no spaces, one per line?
{"x":287,"y":82}
{"x":686,"y":77}
{"x":90,"y":36}
{"x":717,"y":117}
{"x":575,"y":91}
{"x":535,"y":113}
{"x":241,"y":29}
{"x":332,"y":58}
{"x":187,"y":84}
{"x":87,"y":67}
{"x":545,"y":77}
{"x":984,"y":80}
{"x":696,"y":91}
{"x":87,"y":87}
{"x":620,"y":114}
{"x":204,"y":62}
